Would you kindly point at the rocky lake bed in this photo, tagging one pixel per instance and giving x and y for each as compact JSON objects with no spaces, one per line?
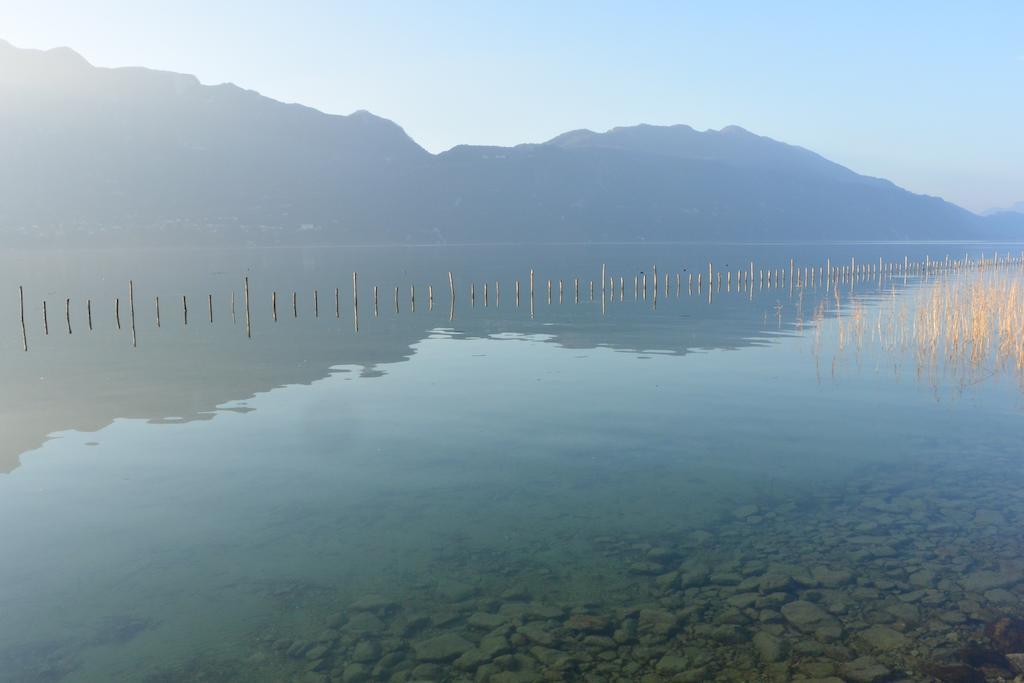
{"x":884,"y":579}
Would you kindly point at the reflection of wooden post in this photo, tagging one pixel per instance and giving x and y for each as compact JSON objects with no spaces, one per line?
{"x":24,"y":331}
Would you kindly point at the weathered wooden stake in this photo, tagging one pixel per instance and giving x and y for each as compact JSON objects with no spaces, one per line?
{"x":248,"y":311}
{"x":295,"y":304}
{"x":184,"y":311}
{"x":24,"y":331}
{"x":376,"y":302}
{"x":131,"y":311}
{"x":355,"y":300}
{"x":158,"y":311}
{"x":88,"y":312}
{"x":46,"y":322}
{"x":67,"y":313}
{"x":273,"y":305}
{"x":209,"y":305}
{"x":337,"y":302}
{"x":117,"y":312}
{"x":316,"y":304}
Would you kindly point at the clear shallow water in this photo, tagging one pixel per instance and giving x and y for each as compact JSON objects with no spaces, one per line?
{"x":693,"y":493}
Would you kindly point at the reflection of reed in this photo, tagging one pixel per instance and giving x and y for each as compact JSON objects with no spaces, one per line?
{"x":965,"y":327}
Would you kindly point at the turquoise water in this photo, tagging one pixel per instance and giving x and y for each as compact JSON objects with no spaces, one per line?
{"x":692,"y":492}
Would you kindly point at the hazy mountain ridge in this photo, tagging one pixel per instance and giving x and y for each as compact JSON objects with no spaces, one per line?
{"x":132,"y":155}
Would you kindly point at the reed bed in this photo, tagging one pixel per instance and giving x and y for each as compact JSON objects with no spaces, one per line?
{"x":964,"y":327}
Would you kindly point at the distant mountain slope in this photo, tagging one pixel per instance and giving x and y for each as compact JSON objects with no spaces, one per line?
{"x":93,"y":156}
{"x":1017,"y":207}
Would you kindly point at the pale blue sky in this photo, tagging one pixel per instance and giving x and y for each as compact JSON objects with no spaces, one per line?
{"x":928,"y":94}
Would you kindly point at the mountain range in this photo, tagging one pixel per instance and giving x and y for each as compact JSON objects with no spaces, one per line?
{"x":96,"y":156}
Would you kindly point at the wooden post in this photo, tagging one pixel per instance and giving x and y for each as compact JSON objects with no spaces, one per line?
{"x":560,"y":288}
{"x":472,"y":294}
{"x":248,"y":311}
{"x":117,"y":311}
{"x":486,"y":299}
{"x":295,"y":304}
{"x":602,"y":281}
{"x":355,"y":300}
{"x":337,"y":302}
{"x":158,"y":311}
{"x":591,"y":290}
{"x":532,"y":307}
{"x":24,"y":331}
{"x":273,"y":305}
{"x":497,"y":293}
{"x":576,"y":281}
{"x":88,"y":312}
{"x":412,"y":298}
{"x":376,"y":302}
{"x":67,"y":313}
{"x":131,"y":310}
{"x":249,"y":316}
{"x":234,"y":319}
{"x":451,"y":286}
{"x":622,"y":288}
{"x":397,"y":310}
{"x":184,"y":309}
{"x":316,"y":304}
{"x":209,"y":304}
{"x":46,"y":322}
{"x":430,"y":297}
{"x":517,"y":292}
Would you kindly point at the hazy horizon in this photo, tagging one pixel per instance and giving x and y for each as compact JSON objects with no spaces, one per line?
{"x":887,"y":99}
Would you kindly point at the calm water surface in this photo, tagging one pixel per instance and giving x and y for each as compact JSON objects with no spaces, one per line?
{"x":661,"y":491}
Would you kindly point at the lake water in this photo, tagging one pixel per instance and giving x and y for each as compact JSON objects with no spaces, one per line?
{"x":777,"y":484}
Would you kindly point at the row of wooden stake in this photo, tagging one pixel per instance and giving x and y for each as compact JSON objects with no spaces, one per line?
{"x":827,"y":276}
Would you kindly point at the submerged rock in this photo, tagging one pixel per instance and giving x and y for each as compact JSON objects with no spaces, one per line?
{"x":864,"y":670}
{"x":882,"y":638}
{"x":443,"y":648}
